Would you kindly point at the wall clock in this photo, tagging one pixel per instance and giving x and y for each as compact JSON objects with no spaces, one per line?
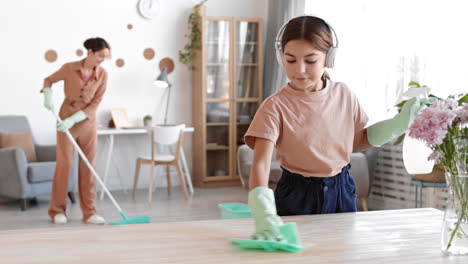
{"x":149,"y":8}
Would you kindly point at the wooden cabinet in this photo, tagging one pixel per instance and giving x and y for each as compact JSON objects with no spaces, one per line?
{"x":227,"y":91}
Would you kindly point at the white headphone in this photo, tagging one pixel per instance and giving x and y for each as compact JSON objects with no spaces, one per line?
{"x":330,"y":56}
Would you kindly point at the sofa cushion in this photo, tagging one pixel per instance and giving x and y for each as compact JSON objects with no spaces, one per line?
{"x":41,"y":171}
{"x":360,"y":172}
{"x":21,"y":140}
{"x":275,"y":176}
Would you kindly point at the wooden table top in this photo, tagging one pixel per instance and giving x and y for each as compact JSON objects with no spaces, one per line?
{"x":390,"y":236}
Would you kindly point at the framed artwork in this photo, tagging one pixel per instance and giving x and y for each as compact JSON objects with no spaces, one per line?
{"x":120,"y":117}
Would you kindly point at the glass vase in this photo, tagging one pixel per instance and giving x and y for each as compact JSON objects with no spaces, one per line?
{"x":455,"y":224}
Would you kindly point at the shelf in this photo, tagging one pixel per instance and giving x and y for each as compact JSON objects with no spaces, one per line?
{"x":217,"y":178}
{"x":216,"y":42}
{"x":216,"y":147}
{"x":247,"y":64}
{"x":217,"y":124}
{"x":247,"y":99}
{"x":243,"y":123}
{"x":217,"y":99}
{"x":216,"y":64}
{"x":247,"y":43}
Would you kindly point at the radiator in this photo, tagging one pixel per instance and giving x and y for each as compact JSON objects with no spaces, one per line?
{"x":392,"y":187}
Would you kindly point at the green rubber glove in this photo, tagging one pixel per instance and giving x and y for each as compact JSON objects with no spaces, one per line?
{"x":70,"y":121}
{"x":387,"y":130}
{"x":263,"y":208}
{"x":48,"y":102}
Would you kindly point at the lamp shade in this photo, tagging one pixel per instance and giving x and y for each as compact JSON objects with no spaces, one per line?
{"x":162,"y":81}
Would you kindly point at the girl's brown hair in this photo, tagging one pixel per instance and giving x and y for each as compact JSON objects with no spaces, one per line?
{"x":312,"y":29}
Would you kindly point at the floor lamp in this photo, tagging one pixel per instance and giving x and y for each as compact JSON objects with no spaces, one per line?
{"x":163,"y":82}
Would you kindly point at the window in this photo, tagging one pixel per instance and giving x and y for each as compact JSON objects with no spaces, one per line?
{"x":383,"y":45}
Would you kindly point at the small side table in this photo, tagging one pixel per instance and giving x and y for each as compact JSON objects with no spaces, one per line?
{"x":419,"y":189}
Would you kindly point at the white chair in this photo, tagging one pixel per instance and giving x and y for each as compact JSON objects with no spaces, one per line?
{"x":163,"y":135}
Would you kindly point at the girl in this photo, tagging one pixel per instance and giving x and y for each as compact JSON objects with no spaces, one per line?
{"x":315,"y":124}
{"x":85,"y":84}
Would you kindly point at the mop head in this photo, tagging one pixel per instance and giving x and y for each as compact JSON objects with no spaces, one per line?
{"x":289,"y":231}
{"x":131,"y":220}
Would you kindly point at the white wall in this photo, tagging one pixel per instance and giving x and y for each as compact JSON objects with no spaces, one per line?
{"x":384,"y":44}
{"x":30,"y":27}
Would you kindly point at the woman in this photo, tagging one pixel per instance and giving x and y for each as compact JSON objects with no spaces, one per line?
{"x":85,"y":84}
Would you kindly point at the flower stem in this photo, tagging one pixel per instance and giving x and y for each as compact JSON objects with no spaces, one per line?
{"x":454,"y":232}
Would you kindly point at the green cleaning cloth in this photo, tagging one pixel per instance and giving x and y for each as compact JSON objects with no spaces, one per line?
{"x":289,"y":232}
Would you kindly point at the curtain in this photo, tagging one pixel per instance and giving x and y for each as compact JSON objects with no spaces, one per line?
{"x":279,"y":12}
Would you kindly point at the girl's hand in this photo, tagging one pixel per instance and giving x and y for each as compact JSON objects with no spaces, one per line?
{"x":263,"y":208}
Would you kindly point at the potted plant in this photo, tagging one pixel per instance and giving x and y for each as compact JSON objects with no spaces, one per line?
{"x":147,"y":120}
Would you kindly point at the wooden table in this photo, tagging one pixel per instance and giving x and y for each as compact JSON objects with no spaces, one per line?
{"x":391,"y":236}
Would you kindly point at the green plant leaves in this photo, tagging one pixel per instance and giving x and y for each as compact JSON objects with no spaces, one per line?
{"x":188,"y":54}
{"x":414,"y":85}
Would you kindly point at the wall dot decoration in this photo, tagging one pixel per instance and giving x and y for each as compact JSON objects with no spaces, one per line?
{"x":148,"y":53}
{"x":79,"y":52}
{"x":130,"y":26}
{"x":51,"y":55}
{"x":166,"y":62}
{"x":120,"y":63}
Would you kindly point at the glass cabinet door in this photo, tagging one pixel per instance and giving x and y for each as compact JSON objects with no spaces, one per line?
{"x":217,"y":139}
{"x":218,"y":92}
{"x":217,"y":40}
{"x":244,"y":116}
{"x":247,"y":74}
{"x":247,"y":59}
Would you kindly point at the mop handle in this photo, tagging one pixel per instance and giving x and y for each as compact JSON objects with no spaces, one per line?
{"x":82,"y":155}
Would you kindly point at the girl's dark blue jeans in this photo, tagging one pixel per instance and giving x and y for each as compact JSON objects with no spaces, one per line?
{"x":299,"y":195}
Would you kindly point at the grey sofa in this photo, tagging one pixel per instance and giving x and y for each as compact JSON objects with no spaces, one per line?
{"x":22,"y":180}
{"x":362,"y":169}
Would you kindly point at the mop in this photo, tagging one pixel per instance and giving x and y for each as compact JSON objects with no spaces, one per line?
{"x":126,"y":220}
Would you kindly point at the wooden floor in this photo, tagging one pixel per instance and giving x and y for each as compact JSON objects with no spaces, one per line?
{"x":203,"y":205}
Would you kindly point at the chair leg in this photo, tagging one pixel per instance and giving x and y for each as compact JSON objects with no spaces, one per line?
{"x":182,"y":180}
{"x":168,"y":175}
{"x":72,"y":197}
{"x":150,"y":187}
{"x":364,"y":204}
{"x":33,"y":201}
{"x":23,"y":204}
{"x":135,"y":179}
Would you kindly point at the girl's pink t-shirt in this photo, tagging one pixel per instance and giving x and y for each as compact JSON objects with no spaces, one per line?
{"x":314,"y":132}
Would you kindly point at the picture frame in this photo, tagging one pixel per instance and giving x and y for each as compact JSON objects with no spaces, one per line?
{"x":120,"y":118}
